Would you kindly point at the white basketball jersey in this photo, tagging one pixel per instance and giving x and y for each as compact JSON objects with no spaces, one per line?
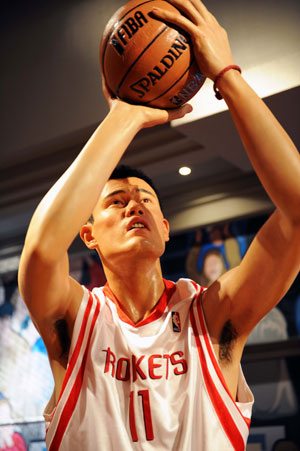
{"x":155,"y":385}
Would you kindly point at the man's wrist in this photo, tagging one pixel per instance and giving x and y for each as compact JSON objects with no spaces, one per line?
{"x":220,"y":75}
{"x":126,"y":117}
{"x":228,"y":82}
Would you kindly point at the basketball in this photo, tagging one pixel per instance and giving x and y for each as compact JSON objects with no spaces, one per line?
{"x":146,"y":61}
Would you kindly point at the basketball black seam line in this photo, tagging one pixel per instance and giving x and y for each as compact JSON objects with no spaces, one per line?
{"x":152,"y":100}
{"x":108,"y":37}
{"x":140,"y":55}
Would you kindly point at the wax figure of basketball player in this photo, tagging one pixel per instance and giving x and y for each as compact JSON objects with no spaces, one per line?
{"x":153,"y":365}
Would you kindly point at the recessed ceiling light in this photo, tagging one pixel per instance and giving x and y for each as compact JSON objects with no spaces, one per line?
{"x":185,"y":170}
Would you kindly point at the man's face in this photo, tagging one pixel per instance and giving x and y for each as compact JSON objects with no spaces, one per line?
{"x":128,"y":221}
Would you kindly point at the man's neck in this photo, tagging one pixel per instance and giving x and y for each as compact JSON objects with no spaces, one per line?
{"x":137,"y":288}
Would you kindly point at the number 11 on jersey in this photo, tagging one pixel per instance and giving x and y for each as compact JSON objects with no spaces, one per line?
{"x":145,"y":399}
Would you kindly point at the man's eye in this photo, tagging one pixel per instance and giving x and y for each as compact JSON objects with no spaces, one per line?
{"x":146,"y":201}
{"x":117,"y":202}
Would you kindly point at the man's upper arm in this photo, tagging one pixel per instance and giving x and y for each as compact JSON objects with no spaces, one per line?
{"x":49,"y":293}
{"x":247,"y":293}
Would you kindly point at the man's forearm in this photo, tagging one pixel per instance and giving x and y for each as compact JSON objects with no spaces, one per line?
{"x":70,"y":202}
{"x":271,"y":151}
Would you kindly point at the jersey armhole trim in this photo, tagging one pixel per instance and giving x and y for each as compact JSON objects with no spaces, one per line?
{"x":78,"y":345}
{"x":70,"y":403}
{"x":213,"y":356}
{"x":228,"y":424}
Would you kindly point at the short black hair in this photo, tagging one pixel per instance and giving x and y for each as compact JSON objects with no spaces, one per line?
{"x":123,"y":171}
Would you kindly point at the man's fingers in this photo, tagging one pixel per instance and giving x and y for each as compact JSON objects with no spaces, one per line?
{"x":188,"y":8}
{"x":195,"y":10}
{"x":175,"y":18}
{"x":180,"y":112}
{"x":156,"y":116}
{"x":201,"y":8}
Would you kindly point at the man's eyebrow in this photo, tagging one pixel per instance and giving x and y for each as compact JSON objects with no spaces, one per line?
{"x":118,"y":191}
{"x":143,"y":190}
{"x":121,"y":191}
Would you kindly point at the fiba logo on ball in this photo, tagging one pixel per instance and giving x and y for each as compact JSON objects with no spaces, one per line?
{"x":146,"y":61}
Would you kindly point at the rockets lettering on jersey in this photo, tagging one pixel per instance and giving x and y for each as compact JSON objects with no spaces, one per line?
{"x":155,"y":366}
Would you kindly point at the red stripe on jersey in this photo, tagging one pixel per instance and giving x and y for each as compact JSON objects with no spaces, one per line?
{"x":196,"y":286}
{"x":156,"y":313}
{"x":78,"y":345}
{"x":248,"y":421}
{"x":213,"y":358}
{"x":225,"y":418}
{"x":74,"y":394}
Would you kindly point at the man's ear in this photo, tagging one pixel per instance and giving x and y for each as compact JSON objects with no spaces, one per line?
{"x":166,"y":230}
{"x":87,"y":236}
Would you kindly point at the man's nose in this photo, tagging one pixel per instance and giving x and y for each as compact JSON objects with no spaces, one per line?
{"x":134,"y":208}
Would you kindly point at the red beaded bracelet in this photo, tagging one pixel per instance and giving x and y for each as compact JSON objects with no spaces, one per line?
{"x":217,"y":92}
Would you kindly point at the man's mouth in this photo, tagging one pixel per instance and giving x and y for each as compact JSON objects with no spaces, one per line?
{"x":137,"y":225}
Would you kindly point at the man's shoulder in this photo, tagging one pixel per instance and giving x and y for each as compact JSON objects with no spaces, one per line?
{"x":189,"y":286}
{"x":187,"y":290}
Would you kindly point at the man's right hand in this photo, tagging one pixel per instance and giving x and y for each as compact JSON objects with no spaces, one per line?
{"x":145,"y":116}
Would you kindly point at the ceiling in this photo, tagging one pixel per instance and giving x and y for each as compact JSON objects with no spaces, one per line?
{"x":52,"y":101}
